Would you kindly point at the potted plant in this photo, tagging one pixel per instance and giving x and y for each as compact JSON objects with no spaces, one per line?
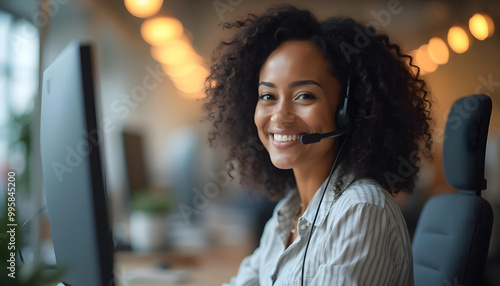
{"x":148,"y":221}
{"x":12,"y":271}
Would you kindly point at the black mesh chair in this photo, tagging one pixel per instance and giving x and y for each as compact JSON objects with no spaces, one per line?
{"x":451,"y":241}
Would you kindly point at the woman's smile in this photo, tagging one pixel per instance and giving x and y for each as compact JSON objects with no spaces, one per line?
{"x":283,"y":141}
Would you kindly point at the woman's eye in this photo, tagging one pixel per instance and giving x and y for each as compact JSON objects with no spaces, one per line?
{"x":305,"y":96}
{"x":266,"y":96}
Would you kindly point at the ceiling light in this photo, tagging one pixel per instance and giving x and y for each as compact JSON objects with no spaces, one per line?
{"x":458,"y":40}
{"x":143,"y":8}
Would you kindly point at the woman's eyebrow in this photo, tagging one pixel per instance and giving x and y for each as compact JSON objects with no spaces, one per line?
{"x":304,"y":82}
{"x":266,"y":83}
{"x":293,"y":84}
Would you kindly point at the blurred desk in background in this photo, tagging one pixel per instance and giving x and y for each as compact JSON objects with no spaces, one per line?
{"x":207,"y":267}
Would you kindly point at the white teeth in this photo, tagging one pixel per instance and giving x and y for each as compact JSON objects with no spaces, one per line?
{"x":285,"y":138}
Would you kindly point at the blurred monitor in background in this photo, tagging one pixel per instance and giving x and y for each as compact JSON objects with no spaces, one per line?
{"x":137,"y":178}
{"x":72,"y":172}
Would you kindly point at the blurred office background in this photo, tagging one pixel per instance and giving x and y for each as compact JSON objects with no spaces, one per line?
{"x":150,"y":63}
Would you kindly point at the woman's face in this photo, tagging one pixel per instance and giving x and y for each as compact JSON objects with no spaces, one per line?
{"x":297,"y":95}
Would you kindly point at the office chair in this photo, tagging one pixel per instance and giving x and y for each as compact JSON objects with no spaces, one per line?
{"x":451,"y":241}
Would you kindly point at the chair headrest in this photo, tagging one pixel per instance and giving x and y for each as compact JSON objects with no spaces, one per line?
{"x":464,"y":144}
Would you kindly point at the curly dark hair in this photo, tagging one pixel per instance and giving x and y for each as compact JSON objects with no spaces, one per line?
{"x":389,"y":104}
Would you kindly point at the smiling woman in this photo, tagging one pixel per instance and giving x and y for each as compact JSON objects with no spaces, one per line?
{"x":284,"y":76}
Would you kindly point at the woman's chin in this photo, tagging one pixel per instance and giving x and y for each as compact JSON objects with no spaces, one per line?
{"x":282,"y":164}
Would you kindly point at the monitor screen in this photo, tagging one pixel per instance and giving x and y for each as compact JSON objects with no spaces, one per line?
{"x":134,"y":162}
{"x":72,"y":172}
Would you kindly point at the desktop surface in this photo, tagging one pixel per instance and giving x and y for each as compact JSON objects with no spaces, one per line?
{"x":208,"y":266}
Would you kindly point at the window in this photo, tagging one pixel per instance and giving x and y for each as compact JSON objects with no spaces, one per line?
{"x":19,"y":61}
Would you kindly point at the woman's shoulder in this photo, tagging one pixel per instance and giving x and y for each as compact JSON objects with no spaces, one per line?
{"x":369,"y":195}
{"x":365,"y":191}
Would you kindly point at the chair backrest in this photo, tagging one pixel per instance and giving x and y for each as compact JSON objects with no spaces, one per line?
{"x":451,"y":241}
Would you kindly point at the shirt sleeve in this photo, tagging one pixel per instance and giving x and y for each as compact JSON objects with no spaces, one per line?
{"x":358,"y":249}
{"x":248,"y":273}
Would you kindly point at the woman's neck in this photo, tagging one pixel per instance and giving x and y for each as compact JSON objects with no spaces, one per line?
{"x":309,"y":177}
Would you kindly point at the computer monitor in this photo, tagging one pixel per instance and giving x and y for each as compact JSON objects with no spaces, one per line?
{"x":72,"y":172}
{"x":137,"y":178}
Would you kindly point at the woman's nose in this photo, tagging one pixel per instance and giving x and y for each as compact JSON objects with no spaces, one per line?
{"x":283,"y":114}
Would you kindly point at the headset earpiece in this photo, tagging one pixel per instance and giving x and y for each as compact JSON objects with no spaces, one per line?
{"x":342,"y":116}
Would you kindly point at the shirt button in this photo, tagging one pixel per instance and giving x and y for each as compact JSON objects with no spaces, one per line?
{"x":279,"y":212}
{"x":306,"y":226}
{"x":272,"y":277}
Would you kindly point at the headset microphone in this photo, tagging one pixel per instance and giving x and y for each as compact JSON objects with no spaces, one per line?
{"x":316,"y":137}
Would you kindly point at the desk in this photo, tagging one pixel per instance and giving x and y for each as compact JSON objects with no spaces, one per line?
{"x":211,"y":266}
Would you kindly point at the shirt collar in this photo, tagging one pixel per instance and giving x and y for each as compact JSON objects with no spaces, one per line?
{"x":291,"y":203}
{"x":287,"y":211}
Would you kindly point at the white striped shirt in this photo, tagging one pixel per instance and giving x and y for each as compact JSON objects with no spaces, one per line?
{"x":360,"y":238}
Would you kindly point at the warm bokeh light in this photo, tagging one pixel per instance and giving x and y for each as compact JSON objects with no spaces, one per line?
{"x":424,"y":60}
{"x":179,"y":67}
{"x":194,"y":82}
{"x":196,"y":76}
{"x":191,"y":90}
{"x":159,"y":30}
{"x":481,"y":26}
{"x":177,"y":52}
{"x":179,"y":71}
{"x":458,"y":40}
{"x":438,"y":51}
{"x":190,"y":87}
{"x":189,"y":78}
{"x":143,"y":8}
{"x":491,"y":25}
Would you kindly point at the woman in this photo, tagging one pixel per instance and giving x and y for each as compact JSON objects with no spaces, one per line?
{"x":284,"y":75}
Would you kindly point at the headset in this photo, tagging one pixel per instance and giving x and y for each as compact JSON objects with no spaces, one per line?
{"x":344,"y":126}
{"x":342,"y":116}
